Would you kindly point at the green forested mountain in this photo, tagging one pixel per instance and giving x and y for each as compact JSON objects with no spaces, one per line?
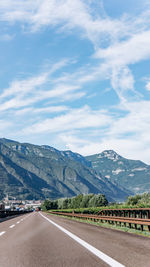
{"x":31,"y":171}
{"x":131,"y":174}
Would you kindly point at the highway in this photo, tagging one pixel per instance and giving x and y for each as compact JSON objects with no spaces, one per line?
{"x":41,"y":240}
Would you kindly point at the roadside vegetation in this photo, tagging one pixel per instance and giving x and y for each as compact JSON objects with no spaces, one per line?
{"x":78,"y":202}
{"x":92,"y":204}
{"x":118,"y":227}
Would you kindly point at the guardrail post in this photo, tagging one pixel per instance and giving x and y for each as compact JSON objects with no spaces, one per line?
{"x":141,"y":227}
{"x":130,"y":221}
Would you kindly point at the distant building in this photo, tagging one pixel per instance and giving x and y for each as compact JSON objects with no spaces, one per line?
{"x":2,"y":206}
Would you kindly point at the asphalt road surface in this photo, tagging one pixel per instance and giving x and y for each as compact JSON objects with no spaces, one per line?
{"x":41,"y":240}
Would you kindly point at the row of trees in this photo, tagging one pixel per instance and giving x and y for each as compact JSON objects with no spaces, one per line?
{"x":91,"y":200}
{"x":80,"y":201}
{"x":143,"y":199}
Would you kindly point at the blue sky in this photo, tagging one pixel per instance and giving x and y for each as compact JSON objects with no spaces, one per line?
{"x":76,"y":74}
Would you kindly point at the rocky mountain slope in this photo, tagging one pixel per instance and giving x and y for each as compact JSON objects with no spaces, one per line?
{"x":131,"y":174}
{"x":31,"y":171}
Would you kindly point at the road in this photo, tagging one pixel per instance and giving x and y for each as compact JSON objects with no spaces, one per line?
{"x":40,"y":240}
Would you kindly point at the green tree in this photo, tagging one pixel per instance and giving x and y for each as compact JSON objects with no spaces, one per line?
{"x":49,"y":204}
{"x":60,"y":203}
{"x":78,"y":201}
{"x":143,"y":199}
{"x":98,"y":201}
{"x":85,"y":200}
{"x":65,"y":203}
{"x":133,"y":200}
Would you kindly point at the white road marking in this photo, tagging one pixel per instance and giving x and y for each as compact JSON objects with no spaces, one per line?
{"x":13,"y":225}
{"x":18,"y":222}
{"x":25,"y":217}
{"x":110,"y":261}
{"x":29,"y":215}
{"x":2,"y":233}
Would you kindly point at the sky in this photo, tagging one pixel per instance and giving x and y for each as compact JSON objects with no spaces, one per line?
{"x":75,"y":75}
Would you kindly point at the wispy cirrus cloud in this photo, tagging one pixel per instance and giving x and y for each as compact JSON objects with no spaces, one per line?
{"x":129,"y":51}
{"x":118,"y":58}
{"x":118,"y":44}
{"x":48,"y":110}
{"x":50,"y":86}
{"x":128,"y":134}
{"x":49,"y":13}
{"x":125,"y":36}
{"x":23,"y":93}
{"x":94,"y":22}
{"x":74,"y":119}
{"x":147,"y":86}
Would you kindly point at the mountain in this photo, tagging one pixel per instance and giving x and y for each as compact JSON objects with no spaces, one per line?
{"x":133,"y":175}
{"x":36,"y":172}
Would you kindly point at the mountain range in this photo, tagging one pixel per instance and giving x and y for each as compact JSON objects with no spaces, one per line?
{"x":133,"y":175}
{"x":37,"y":172}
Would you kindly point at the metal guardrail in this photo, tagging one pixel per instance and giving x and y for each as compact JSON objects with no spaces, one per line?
{"x":127,"y":212}
{"x":7,"y":213}
{"x":125,"y":221}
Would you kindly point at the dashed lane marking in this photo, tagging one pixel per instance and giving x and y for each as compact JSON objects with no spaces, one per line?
{"x":2,"y":233}
{"x":12,"y":226}
{"x":110,"y":261}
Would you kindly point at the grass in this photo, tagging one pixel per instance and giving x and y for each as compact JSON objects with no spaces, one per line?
{"x":112,"y":226}
{"x":96,"y":210}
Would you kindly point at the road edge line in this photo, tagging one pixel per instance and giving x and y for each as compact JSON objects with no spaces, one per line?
{"x":110,"y":261}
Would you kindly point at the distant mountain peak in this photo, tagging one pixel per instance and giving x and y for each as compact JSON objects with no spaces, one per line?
{"x":30,"y":171}
{"x":110,"y":154}
{"x":49,"y":148}
{"x":133,"y":175}
{"x":5,"y":140}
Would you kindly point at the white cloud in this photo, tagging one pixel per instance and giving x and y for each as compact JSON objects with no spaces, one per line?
{"x":128,"y":135}
{"x":118,"y":57}
{"x":28,"y":91}
{"x":31,"y":84}
{"x":127,"y":41}
{"x":50,"y":109}
{"x":49,"y":86}
{"x":135,"y":49}
{"x":76,"y":14}
{"x":122,"y":81}
{"x":126,"y":37}
{"x":7,"y":37}
{"x":74,"y":119}
{"x":133,"y":126}
{"x":148,"y":86}
{"x":25,"y":86}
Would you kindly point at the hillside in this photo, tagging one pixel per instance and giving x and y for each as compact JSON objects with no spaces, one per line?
{"x":133,"y":175}
{"x":30,"y":171}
